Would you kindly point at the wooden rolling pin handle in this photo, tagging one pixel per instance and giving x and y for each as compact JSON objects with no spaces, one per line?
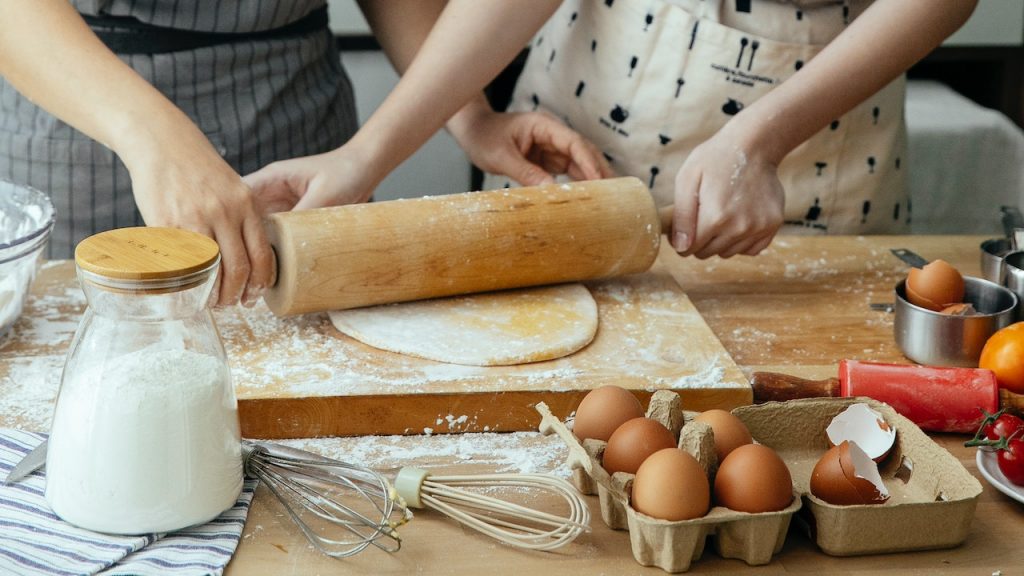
{"x":1011,"y":402}
{"x":775,"y":387}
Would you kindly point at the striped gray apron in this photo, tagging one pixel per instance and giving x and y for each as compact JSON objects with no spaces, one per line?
{"x":257,"y":101}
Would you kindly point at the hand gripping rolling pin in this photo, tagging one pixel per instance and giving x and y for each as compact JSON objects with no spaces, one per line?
{"x":940,"y":399}
{"x":400,"y":250}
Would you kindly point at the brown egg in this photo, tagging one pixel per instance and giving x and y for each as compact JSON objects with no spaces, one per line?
{"x":730,"y":431}
{"x":603,"y":410}
{"x":633,"y":442}
{"x":845,"y":475}
{"x":935,"y":286}
{"x":671,"y":485}
{"x":753,"y":478}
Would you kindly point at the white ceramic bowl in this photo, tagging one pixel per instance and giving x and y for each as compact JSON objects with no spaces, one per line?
{"x":26,"y":220}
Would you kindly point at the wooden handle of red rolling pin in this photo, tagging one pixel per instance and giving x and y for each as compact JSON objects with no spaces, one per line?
{"x":775,"y":387}
{"x":400,"y":250}
{"x":1011,"y":402}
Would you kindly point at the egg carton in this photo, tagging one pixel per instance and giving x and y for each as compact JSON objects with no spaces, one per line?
{"x":672,"y":545}
{"x":932,"y":496}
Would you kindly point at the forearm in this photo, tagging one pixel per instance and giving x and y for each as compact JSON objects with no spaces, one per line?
{"x":876,"y":48}
{"x":470,"y":44}
{"x":52,"y":57}
{"x":401,"y":26}
{"x":461,"y":124}
{"x":401,"y":30}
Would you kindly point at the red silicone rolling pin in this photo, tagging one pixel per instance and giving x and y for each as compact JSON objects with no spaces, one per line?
{"x":940,"y":399}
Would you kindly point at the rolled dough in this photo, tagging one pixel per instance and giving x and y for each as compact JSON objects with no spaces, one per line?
{"x":492,"y":329}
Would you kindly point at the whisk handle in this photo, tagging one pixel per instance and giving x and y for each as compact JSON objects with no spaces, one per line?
{"x":409,"y":483}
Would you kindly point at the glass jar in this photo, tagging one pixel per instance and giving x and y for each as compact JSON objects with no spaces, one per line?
{"x":145,"y":434}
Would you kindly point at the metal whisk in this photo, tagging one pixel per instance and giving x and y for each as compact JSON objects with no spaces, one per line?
{"x":460,"y":497}
{"x":337,"y":494}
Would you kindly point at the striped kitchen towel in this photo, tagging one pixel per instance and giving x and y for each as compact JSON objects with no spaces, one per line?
{"x":33,"y":540}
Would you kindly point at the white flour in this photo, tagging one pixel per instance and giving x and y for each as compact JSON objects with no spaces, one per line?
{"x":149,"y":445}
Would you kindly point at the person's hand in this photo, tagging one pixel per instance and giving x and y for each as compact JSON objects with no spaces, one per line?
{"x":329,"y":179}
{"x":528,"y":147}
{"x":188,"y":185}
{"x":728,"y":200}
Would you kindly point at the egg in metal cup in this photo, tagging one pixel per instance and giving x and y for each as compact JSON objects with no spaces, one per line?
{"x":935,"y":338}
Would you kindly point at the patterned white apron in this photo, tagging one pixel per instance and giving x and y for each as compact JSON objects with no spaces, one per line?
{"x":649,"y":80}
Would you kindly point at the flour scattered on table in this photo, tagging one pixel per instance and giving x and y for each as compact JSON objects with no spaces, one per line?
{"x":28,"y":391}
{"x":526,"y":452}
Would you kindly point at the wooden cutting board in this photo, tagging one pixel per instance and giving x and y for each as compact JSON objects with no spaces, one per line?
{"x":300,"y":377}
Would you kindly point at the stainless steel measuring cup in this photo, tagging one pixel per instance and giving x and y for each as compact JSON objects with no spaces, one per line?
{"x":937,"y":339}
{"x":992,"y":253}
{"x":1013,"y":268}
{"x":994,"y":250}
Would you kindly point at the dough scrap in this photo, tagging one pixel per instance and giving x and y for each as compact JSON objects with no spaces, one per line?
{"x":492,"y":329}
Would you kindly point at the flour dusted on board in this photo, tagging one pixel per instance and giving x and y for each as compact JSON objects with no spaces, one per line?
{"x":148,"y":439}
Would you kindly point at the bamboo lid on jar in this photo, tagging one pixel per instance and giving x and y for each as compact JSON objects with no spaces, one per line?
{"x":146,"y":253}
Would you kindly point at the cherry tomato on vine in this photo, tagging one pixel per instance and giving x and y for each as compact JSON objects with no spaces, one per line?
{"x":1011,"y":461}
{"x":1003,"y":427}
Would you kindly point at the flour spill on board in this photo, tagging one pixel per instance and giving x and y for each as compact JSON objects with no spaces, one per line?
{"x":642,"y":337}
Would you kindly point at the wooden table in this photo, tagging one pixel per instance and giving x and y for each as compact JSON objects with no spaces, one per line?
{"x":800,"y":308}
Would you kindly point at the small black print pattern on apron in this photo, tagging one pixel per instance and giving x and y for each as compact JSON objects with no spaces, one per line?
{"x":665,"y":49}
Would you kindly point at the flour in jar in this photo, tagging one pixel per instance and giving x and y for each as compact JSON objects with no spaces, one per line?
{"x":148,"y":442}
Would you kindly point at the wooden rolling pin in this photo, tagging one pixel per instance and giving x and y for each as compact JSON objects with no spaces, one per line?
{"x":401,"y":250}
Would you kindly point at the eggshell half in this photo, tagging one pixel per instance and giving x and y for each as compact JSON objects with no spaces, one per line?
{"x":845,"y":476}
{"x":862,"y":472}
{"x":864,"y":427}
{"x":935,"y":286}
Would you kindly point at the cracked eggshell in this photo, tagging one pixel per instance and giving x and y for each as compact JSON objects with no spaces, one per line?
{"x":935,"y":286}
{"x":864,"y":427}
{"x":845,"y":476}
